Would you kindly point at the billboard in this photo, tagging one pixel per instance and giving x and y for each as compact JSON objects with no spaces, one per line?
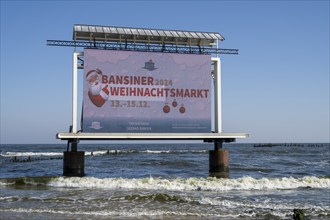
{"x":146,"y":92}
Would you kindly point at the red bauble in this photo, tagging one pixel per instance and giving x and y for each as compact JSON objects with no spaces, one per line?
{"x":166,"y":109}
{"x":174,"y":104}
{"x":182,"y":109}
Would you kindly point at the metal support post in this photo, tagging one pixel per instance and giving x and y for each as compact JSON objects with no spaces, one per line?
{"x":74,"y":91}
{"x":218,"y":161}
{"x":217,"y":95}
{"x":73,"y":161}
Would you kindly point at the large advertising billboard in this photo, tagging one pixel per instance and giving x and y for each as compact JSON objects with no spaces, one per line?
{"x":146,"y":92}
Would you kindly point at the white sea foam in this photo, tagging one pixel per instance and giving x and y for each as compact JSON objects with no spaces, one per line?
{"x":133,"y":212}
{"x":9,"y":198}
{"x":6,"y":183}
{"x":173,"y":151}
{"x":232,"y":204}
{"x":157,"y":151}
{"x":27,"y":154}
{"x":143,"y":152}
{"x":98,"y":153}
{"x":192,"y":184}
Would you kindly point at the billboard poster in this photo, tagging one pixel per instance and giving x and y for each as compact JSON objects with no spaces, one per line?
{"x":146,"y":92}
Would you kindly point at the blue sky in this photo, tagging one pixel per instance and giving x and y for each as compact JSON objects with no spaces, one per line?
{"x":276,"y":89}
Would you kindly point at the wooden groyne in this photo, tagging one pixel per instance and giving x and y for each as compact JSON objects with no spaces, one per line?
{"x":287,"y":145}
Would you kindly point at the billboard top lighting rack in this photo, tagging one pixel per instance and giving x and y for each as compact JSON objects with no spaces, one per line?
{"x":142,"y":39}
{"x":143,"y":35}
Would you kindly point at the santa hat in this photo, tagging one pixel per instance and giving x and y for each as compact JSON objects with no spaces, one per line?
{"x":92,"y":72}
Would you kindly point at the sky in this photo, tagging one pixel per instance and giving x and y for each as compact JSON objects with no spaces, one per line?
{"x":276,"y":89}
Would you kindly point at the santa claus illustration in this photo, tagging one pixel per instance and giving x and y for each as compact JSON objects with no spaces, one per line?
{"x":96,"y":93}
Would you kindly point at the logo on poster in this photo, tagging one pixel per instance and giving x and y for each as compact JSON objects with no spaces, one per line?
{"x":96,"y":125}
{"x":150,"y":65}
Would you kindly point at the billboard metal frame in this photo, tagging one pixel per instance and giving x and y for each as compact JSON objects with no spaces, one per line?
{"x":164,"y":48}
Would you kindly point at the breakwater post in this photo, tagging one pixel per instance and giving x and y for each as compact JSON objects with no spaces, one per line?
{"x":218,"y":161}
{"x":73,"y":161}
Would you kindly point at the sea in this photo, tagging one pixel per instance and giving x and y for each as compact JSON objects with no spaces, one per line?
{"x":165,"y":181}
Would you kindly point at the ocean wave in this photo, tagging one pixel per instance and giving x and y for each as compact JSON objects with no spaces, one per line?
{"x":234,"y":208}
{"x":133,"y":212}
{"x":173,"y":151}
{"x":142,"y":213}
{"x":99,"y":153}
{"x":21,"y":181}
{"x":30,"y":154}
{"x":111,"y":152}
{"x":252,"y":205}
{"x":178,"y":184}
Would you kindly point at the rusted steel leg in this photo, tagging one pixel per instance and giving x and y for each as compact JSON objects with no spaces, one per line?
{"x":219,"y":161}
{"x":73,"y":161}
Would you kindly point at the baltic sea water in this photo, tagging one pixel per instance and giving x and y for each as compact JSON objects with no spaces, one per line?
{"x":165,"y":181}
